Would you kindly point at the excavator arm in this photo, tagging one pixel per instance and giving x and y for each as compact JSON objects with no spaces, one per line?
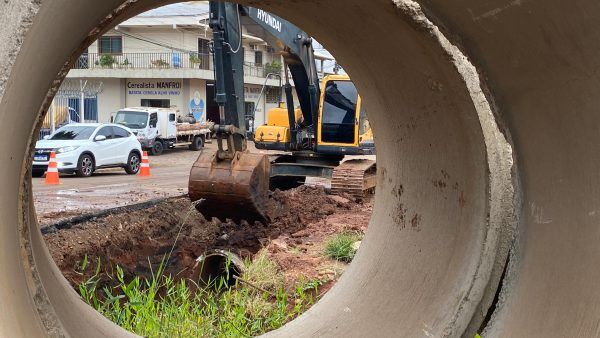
{"x":229,"y":82}
{"x":233,"y":183}
{"x":230,"y":183}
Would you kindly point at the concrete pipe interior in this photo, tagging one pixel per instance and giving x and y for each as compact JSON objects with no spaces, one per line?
{"x":447,"y":197}
{"x":216,"y":264}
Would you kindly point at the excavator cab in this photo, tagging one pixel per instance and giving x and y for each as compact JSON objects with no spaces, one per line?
{"x":341,"y":117}
{"x":343,"y":127}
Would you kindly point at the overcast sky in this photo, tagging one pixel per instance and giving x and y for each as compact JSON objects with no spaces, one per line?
{"x":328,"y":64}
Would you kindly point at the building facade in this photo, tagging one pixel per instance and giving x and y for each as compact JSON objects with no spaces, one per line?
{"x":162,"y":59}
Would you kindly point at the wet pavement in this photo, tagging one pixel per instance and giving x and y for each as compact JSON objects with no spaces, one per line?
{"x":113,"y":187}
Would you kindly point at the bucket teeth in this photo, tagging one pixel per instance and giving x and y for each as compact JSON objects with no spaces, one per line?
{"x":236,"y":189}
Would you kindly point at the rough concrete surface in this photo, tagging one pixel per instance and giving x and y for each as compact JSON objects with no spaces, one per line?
{"x":17,"y":19}
{"x":447,"y":187}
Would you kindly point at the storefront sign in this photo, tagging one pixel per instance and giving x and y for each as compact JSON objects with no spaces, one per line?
{"x":158,"y":87}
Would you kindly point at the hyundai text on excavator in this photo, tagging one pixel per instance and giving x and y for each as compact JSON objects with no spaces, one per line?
{"x":329,"y":123}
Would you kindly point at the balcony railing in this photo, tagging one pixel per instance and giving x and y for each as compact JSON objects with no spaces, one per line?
{"x":162,"y":61}
{"x":143,"y":61}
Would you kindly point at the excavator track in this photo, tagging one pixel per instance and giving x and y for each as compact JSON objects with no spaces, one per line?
{"x":354,"y":177}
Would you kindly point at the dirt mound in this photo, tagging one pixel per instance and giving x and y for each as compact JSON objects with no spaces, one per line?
{"x":300,"y":254}
{"x":139,"y":240}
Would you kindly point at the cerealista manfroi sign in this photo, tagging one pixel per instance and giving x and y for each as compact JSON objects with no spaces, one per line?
{"x":154,"y":87}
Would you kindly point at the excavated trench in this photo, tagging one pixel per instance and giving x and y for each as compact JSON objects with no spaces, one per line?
{"x":450,"y":188}
{"x":172,"y":234}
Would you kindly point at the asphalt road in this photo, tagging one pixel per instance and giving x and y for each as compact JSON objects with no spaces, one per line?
{"x":113,"y":187}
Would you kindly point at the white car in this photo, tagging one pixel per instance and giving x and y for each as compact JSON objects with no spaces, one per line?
{"x":83,"y":148}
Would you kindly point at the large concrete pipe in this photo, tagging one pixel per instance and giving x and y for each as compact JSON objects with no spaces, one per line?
{"x":448,"y":192}
{"x":540,"y":60}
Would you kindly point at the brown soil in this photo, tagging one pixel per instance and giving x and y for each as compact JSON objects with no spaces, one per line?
{"x":139,"y":240}
{"x":300,"y":254}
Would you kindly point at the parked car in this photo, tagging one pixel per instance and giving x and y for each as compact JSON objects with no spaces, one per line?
{"x":84,"y":148}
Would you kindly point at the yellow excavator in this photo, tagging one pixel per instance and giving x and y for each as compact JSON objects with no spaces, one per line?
{"x":329,"y":123}
{"x":341,"y":123}
{"x":342,"y":129}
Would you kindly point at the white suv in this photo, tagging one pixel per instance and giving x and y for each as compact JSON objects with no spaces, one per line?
{"x":83,"y":148}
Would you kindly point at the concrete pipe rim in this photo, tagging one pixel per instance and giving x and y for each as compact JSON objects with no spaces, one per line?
{"x":473,"y":225}
{"x":218,"y":263}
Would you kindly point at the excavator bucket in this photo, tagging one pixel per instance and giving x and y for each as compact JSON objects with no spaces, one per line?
{"x":231,"y":189}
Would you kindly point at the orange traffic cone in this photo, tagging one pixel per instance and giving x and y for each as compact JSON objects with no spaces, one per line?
{"x":52,"y":172}
{"x":145,"y":167}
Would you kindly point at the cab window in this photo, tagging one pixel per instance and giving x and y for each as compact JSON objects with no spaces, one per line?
{"x":132,"y":119}
{"x":171,"y":117}
{"x":153,"y":120}
{"x":339,"y":112}
{"x":120,"y":132}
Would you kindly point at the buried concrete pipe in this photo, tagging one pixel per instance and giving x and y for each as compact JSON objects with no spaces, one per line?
{"x":218,"y":264}
{"x":447,"y":196}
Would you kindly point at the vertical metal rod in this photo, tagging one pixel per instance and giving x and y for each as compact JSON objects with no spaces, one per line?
{"x":262,"y":90}
{"x":312,"y":90}
{"x":289,"y":99}
{"x":221,"y":114}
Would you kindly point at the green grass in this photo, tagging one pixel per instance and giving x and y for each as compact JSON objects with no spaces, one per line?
{"x":164,"y":307}
{"x":341,"y":246}
{"x":264,"y":273}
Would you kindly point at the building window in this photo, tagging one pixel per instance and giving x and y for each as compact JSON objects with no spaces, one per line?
{"x":203,"y":58}
{"x":273,"y":94}
{"x":258,"y":58}
{"x":156,"y":103}
{"x":90,"y":106}
{"x":110,"y":45}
